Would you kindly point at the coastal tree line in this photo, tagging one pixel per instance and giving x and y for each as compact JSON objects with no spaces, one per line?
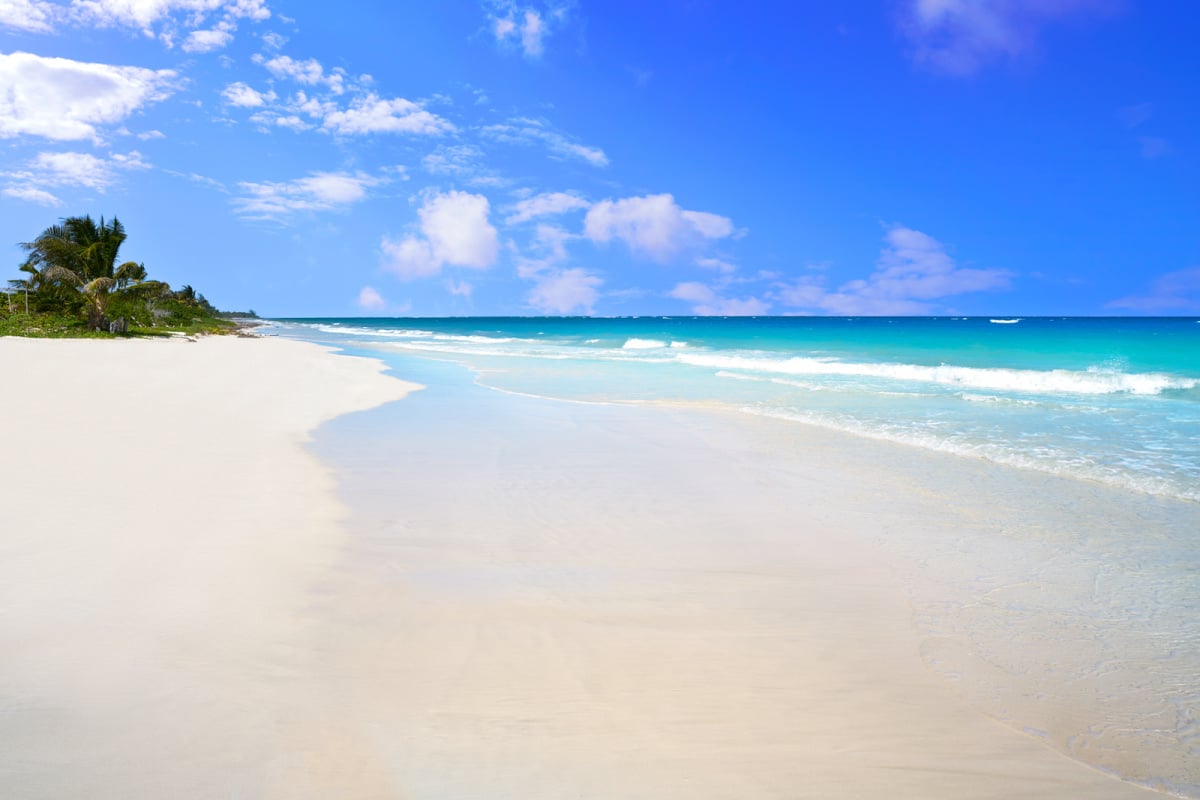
{"x":73,"y":270}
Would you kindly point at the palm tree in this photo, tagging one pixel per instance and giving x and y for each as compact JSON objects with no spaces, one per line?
{"x":80,"y":254}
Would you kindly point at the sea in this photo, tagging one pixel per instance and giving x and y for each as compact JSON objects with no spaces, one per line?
{"x":1065,"y":603}
{"x":1113,"y":400}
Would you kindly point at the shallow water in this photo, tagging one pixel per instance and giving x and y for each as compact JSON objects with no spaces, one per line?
{"x":1067,"y":608}
{"x":1110,"y":400}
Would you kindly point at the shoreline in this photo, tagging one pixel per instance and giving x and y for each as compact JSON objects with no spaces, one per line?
{"x":563,"y":545}
{"x":477,"y":593}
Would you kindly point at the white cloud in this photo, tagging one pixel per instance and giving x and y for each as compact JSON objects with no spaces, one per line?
{"x":913,"y":269}
{"x":145,"y":14}
{"x":565,"y":291}
{"x":371,"y":300}
{"x":503,"y":28}
{"x":459,"y":288}
{"x":146,"y":136}
{"x":529,"y":131}
{"x":28,"y":15}
{"x":549,"y":243}
{"x":321,"y":191}
{"x":32,"y":195}
{"x":653,"y":225}
{"x":455,"y":230}
{"x":372,"y":114}
{"x":366,"y":113}
{"x":707,"y":303}
{"x":716,"y":264}
{"x":525,"y":25}
{"x":308,"y":72}
{"x":410,"y":257}
{"x":1172,"y":292}
{"x":457,"y":226}
{"x":75,"y":170}
{"x":206,"y":41}
{"x":64,"y":100}
{"x":531,"y":34}
{"x":958,"y":36}
{"x":545,"y":205}
{"x":159,"y":19}
{"x":240,"y":95}
{"x":458,"y":159}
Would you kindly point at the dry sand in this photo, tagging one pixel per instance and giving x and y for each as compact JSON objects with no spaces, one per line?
{"x":538,"y":600}
{"x":162,"y":526}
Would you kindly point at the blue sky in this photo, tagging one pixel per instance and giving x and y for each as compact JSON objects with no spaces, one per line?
{"x":470,"y":157}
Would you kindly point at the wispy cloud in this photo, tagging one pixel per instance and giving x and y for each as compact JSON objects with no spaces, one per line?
{"x":308,"y":72}
{"x":373,"y":114}
{"x":32,"y":194}
{"x":65,"y":100}
{"x":320,"y":191}
{"x":28,"y":15}
{"x":526,"y":131}
{"x":1172,"y":292}
{"x":164,"y":20}
{"x":525,"y":26}
{"x":959,"y":36}
{"x":913,"y":271}
{"x":68,"y":170}
{"x":654,"y":226}
{"x":565,"y":291}
{"x":326,"y":108}
{"x":547,"y":204}
{"x":707,"y":302}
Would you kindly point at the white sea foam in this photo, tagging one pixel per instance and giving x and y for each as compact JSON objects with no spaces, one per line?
{"x":348,"y":330}
{"x":740,"y":376}
{"x":1005,"y":321}
{"x":1042,"y":459}
{"x":643,"y":344}
{"x":404,"y":333}
{"x":1059,"y":381}
{"x":991,"y":398}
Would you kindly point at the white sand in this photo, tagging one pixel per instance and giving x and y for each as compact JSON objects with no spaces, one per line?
{"x":162,"y":526}
{"x":566,"y":601}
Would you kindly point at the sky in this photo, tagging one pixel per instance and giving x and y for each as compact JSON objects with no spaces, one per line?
{"x":611,"y":157}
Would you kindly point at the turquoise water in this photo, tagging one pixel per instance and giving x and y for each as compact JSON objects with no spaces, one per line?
{"x":1114,"y":400}
{"x":1066,"y":607}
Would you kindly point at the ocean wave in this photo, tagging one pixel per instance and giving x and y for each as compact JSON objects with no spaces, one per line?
{"x":643,"y":344}
{"x":1005,"y":321}
{"x":1045,"y":459}
{"x":1059,"y":381}
{"x":408,"y":333}
{"x":350,"y":330}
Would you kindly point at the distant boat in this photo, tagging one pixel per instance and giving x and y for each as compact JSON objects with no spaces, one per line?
{"x":1005,"y":321}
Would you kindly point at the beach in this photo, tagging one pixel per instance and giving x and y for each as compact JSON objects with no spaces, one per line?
{"x":480,"y":593}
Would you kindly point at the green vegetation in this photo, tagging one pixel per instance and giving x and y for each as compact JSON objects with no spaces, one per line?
{"x":74,"y":285}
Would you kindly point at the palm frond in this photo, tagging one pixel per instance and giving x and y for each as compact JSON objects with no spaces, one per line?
{"x":98,"y":286}
{"x":63,"y":274}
